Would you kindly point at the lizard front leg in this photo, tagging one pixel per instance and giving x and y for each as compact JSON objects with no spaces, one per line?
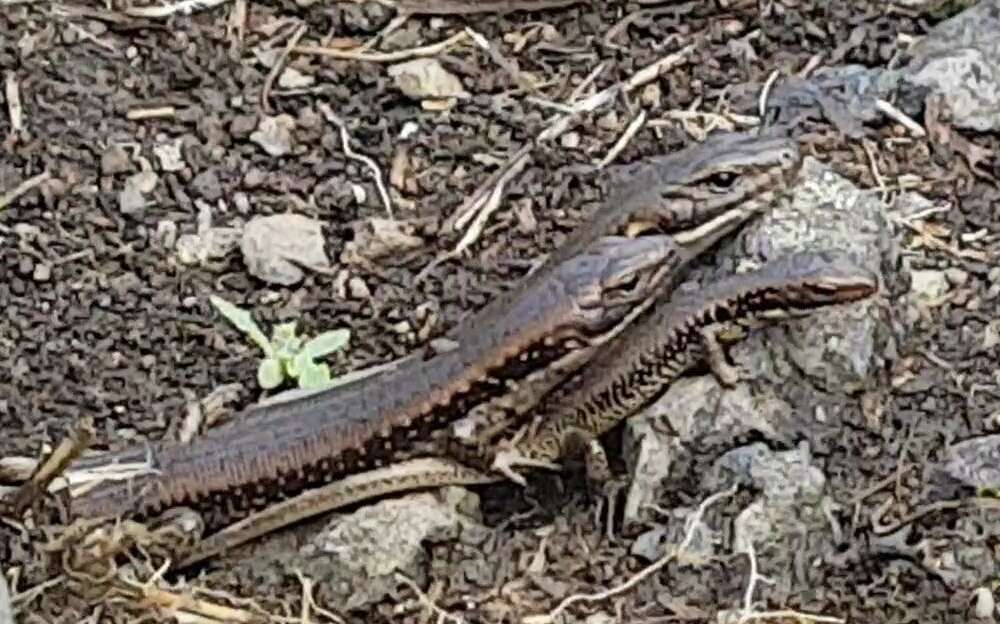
{"x":714,"y":339}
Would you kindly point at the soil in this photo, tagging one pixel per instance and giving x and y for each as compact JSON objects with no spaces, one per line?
{"x":103,"y":321}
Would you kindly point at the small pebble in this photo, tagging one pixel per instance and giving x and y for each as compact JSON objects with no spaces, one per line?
{"x":242,"y":125}
{"x":570,"y":140}
{"x":166,"y":233}
{"x":609,"y":121}
{"x":986,"y":605}
{"x":443,"y":345}
{"x":956,"y":276}
{"x":42,"y":273}
{"x":360,"y":196}
{"x":292,"y":78}
{"x":928,"y":284}
{"x":651,"y":95}
{"x":357,"y":289}
{"x":115,"y":160}
{"x":207,"y":185}
{"x":241,"y":202}
{"x":275,"y":135}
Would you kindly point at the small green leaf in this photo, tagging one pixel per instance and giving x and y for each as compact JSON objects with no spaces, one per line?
{"x":270,"y":373}
{"x":327,"y":343}
{"x":299,"y":363}
{"x":314,"y":375}
{"x":242,"y":320}
{"x":286,"y":344}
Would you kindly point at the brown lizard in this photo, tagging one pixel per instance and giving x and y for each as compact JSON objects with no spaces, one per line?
{"x":616,"y":383}
{"x":281,"y":449}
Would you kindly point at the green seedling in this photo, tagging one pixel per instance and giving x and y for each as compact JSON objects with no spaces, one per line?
{"x":286,"y":354}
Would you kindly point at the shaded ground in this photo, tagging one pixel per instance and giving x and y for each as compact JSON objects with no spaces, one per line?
{"x":103,"y":321}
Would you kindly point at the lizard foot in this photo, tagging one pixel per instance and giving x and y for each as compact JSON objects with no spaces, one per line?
{"x":505,"y":460}
{"x":727,"y":374}
{"x":602,"y":482}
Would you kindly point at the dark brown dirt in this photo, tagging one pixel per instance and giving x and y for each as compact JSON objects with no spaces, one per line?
{"x":102,"y":321}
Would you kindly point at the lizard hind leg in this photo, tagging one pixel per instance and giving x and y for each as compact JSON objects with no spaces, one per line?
{"x":517,"y":451}
{"x":602,"y":483}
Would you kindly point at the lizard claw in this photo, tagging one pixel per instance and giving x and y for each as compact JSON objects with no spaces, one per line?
{"x":729,"y":375}
{"x":505,"y":460}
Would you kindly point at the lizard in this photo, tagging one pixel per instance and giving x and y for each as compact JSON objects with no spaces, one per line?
{"x":616,"y":383}
{"x":677,"y":335}
{"x":280,"y":449}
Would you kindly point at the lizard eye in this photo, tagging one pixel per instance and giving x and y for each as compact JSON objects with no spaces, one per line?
{"x":722,"y":180}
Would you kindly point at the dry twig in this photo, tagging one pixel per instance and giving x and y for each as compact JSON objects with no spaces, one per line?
{"x":384,"y":57}
{"x":13,"y":92}
{"x":468,"y":7}
{"x":176,"y":604}
{"x":895,"y":114}
{"x":427,"y":602}
{"x":279,"y":64}
{"x":162,"y":112}
{"x":765,"y":93}
{"x":68,"y":450}
{"x":623,"y":140}
{"x":185,"y":7}
{"x":309,"y":602}
{"x":755,"y":577}
{"x":8,"y":198}
{"x":345,"y":140}
{"x":492,"y":189}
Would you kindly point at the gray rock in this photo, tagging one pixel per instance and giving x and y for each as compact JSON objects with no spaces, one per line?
{"x":701,"y":413}
{"x":115,"y":160}
{"x":275,"y":248}
{"x":975,"y":462}
{"x":985,"y":605}
{"x":802,"y":371}
{"x":928,"y":284}
{"x":786,"y":478}
{"x":354,"y":560}
{"x":960,"y":59}
{"x":274,"y":134}
{"x":42,"y":272}
{"x":649,"y":545}
{"x":207,"y":185}
{"x":132,"y":198}
{"x":786,"y":523}
{"x":956,"y":276}
{"x":838,"y":349}
{"x":209,"y":243}
{"x":169,"y":155}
